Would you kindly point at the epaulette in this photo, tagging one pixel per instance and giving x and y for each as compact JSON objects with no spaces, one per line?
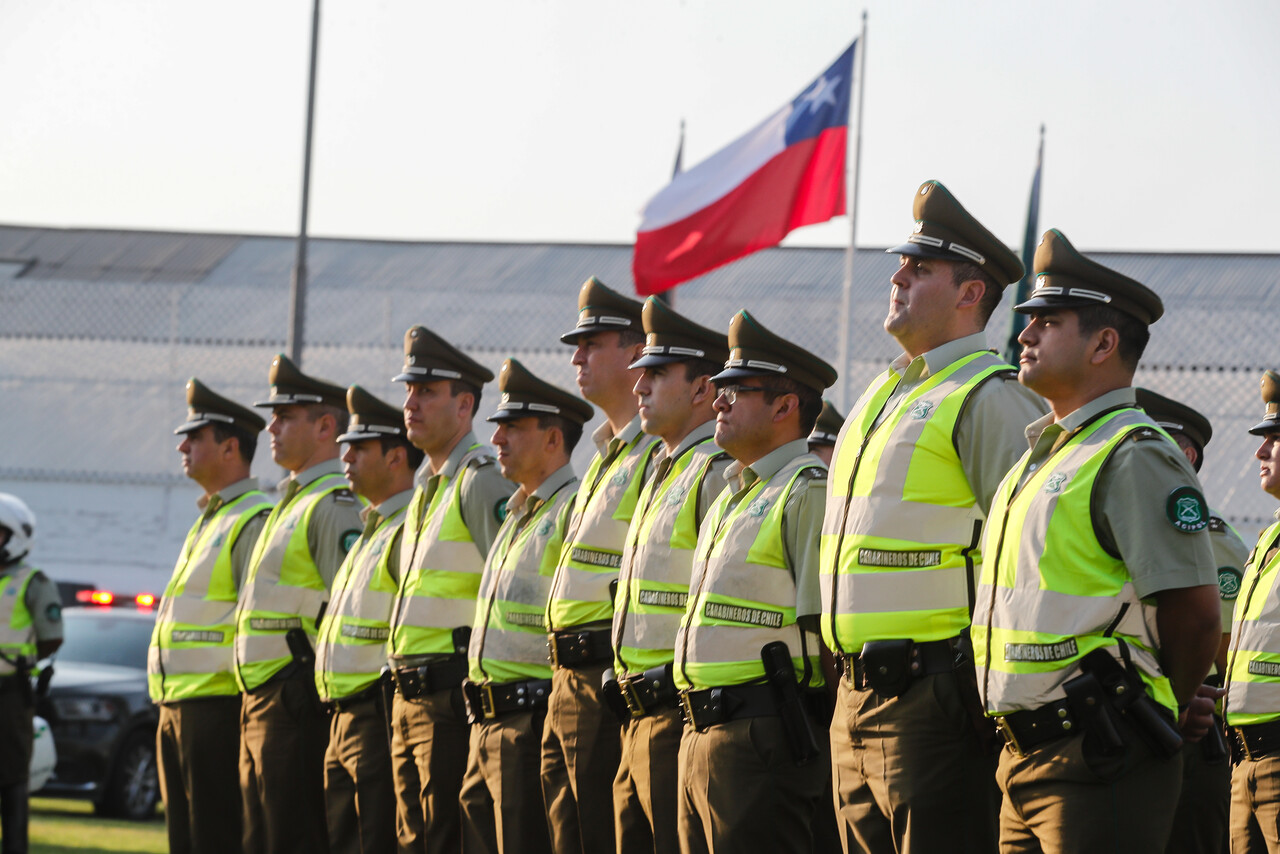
{"x":1217,"y":525}
{"x":1146,"y":434}
{"x":345,"y":496}
{"x":481,"y":460}
{"x":814,"y":473}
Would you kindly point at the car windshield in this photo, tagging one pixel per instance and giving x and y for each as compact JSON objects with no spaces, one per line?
{"x":100,"y":637}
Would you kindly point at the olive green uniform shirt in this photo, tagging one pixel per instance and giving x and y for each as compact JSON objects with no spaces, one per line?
{"x":714,"y":479}
{"x":1130,"y":514}
{"x":335,"y":522}
{"x":242,"y":548}
{"x":44,"y":603}
{"x":801,"y":519}
{"x":373,"y":517}
{"x":1230,"y":553}
{"x":989,"y":433}
{"x":483,"y":495}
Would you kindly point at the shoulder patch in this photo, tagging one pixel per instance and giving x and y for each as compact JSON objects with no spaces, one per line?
{"x":1187,"y":510}
{"x":345,"y":496}
{"x":500,"y":510}
{"x":53,"y":613}
{"x":1229,"y":579}
{"x":348,"y":539}
{"x":1217,"y":525}
{"x":1145,"y":434}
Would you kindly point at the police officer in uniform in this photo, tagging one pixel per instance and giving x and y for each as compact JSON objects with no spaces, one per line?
{"x":30,"y":630}
{"x":676,"y":397}
{"x":1097,"y":608}
{"x":753,"y":758}
{"x":822,"y":441}
{"x":1253,"y":664}
{"x":914,"y":470}
{"x":1200,"y":821}
{"x":304,"y":541}
{"x":360,"y":799}
{"x":510,"y":678}
{"x":190,"y":661}
{"x":580,"y":749}
{"x":458,"y":504}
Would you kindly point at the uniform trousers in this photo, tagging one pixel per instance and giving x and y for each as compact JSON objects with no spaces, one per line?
{"x":909,"y":772}
{"x":283,"y":732}
{"x":502,"y":810}
{"x":644,"y":790}
{"x":1062,"y":797}
{"x":1255,"y":806}
{"x":15,"y":763}
{"x":580,"y":755}
{"x":741,"y":790}
{"x":428,"y":758}
{"x":1200,"y":820}
{"x":359,"y":795}
{"x":198,"y":757}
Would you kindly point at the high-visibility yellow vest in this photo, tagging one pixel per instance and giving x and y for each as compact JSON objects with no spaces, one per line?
{"x":743,"y":593}
{"x":440,"y":567}
{"x":351,"y":643}
{"x":1253,"y":665}
{"x":509,"y":637}
{"x":602,"y":512}
{"x":283,"y":589}
{"x":17,"y":631}
{"x":191,"y":646}
{"x":900,"y":538}
{"x":1049,"y":593}
{"x":657,"y":563}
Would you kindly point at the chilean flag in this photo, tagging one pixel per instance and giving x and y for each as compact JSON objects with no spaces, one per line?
{"x":786,"y":172}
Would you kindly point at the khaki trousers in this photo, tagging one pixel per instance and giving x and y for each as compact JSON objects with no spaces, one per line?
{"x":1062,"y":798}
{"x":909,"y":772}
{"x":1255,"y":806}
{"x":359,"y":793}
{"x":740,"y":789}
{"x":580,"y":755}
{"x":283,"y":732}
{"x":502,"y":811}
{"x":428,"y":757}
{"x":198,"y":757}
{"x":1200,"y":820}
{"x":644,"y":790}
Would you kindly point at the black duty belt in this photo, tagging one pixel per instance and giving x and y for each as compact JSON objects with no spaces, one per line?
{"x":711,"y":706}
{"x":651,"y":691}
{"x":345,"y":704}
{"x":486,"y":701}
{"x":11,"y":683}
{"x":580,"y":649}
{"x":1256,"y":741}
{"x":443,"y":675}
{"x":1026,"y":730}
{"x":927,"y":659}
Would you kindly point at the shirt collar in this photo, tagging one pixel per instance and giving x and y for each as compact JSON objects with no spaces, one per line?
{"x":941,"y":356}
{"x":556,"y":480}
{"x":604,"y":434}
{"x":705,"y":430}
{"x":228,"y":493}
{"x":451,"y":465}
{"x":311,"y":475}
{"x":768,"y":465}
{"x":394,"y":504}
{"x":1075,"y":420}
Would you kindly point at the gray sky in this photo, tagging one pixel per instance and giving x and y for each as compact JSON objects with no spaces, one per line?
{"x":557,"y":119}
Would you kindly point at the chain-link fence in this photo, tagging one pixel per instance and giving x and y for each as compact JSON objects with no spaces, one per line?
{"x":99,"y":332}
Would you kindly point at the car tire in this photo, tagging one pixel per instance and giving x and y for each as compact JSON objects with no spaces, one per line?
{"x":133,"y":786}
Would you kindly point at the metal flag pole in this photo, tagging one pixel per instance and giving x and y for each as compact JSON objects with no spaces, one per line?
{"x":846,"y":296}
{"x":669,"y":296}
{"x":298,"y":282}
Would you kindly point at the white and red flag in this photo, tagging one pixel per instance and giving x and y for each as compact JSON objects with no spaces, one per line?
{"x":786,"y":172}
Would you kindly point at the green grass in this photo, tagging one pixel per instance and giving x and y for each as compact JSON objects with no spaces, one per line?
{"x":70,"y":827}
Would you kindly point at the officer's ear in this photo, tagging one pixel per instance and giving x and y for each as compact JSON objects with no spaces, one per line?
{"x":785,"y":406}
{"x":1105,"y":345}
{"x":703,"y":391}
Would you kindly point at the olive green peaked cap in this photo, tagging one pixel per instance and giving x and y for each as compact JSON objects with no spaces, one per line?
{"x":371,"y":418}
{"x":1271,"y":397}
{"x":1177,"y":417}
{"x":1067,"y":279}
{"x":428,"y":358}
{"x":756,"y":352}
{"x":671,"y":337}
{"x":827,"y":428}
{"x":524,"y":395}
{"x":602,"y":310}
{"x":205,"y":406}
{"x":944,"y":229}
{"x":290,"y":385}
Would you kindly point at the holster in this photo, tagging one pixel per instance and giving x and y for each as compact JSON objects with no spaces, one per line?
{"x":780,"y":673}
{"x":1092,"y":708}
{"x":386,"y":693}
{"x":887,"y":666}
{"x":611,"y":691}
{"x":1127,"y":695}
{"x":300,"y":647}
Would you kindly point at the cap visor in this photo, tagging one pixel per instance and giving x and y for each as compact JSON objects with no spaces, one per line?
{"x":407,"y":377}
{"x":919,"y":250}
{"x":510,"y":415}
{"x":741,"y":374}
{"x":355,"y":436}
{"x":1265,"y":427}
{"x":191,"y":426}
{"x":1046,"y":303}
{"x":653,"y":360}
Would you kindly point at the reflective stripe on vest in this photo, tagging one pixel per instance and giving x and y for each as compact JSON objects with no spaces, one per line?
{"x":743,"y":594}
{"x":597,"y":531}
{"x":191,"y":646}
{"x":1049,"y":593}
{"x":657,"y":563}
{"x":351,"y":644}
{"x":440,"y":568}
{"x":17,"y":631}
{"x":509,"y":638}
{"x":283,"y":589}
{"x":901,"y":531}
{"x":1253,"y":667}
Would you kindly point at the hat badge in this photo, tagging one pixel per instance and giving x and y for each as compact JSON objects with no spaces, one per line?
{"x":919,"y":227}
{"x":1040,"y":281}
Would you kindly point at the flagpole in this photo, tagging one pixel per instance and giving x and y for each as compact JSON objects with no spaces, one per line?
{"x":298,"y":281}
{"x":1030,"y":237}
{"x":846,"y":296}
{"x":669,"y":296}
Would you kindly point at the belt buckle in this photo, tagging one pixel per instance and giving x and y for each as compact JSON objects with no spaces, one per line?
{"x":1010,"y":739}
{"x":486,"y":701}
{"x":553,"y":650}
{"x":634,"y":704}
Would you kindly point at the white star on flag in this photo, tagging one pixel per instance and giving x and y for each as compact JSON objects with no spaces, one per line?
{"x":823,"y":92}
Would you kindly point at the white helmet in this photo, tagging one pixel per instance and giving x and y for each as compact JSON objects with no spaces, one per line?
{"x":16,"y":517}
